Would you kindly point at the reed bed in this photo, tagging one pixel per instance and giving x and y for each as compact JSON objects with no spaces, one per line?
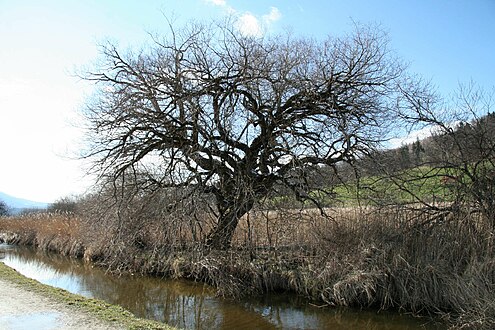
{"x":381,"y":258}
{"x":56,"y":232}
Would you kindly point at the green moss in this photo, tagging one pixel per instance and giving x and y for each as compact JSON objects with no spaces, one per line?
{"x":104,"y":311}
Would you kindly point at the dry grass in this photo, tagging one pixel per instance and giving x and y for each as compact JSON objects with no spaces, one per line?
{"x":47,"y":231}
{"x":382,"y":258}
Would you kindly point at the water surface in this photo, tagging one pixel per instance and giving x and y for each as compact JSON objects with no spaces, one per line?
{"x":191,"y":305}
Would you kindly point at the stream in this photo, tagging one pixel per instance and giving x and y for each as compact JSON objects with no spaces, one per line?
{"x":191,"y":305}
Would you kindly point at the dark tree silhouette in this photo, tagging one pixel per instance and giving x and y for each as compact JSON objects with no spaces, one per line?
{"x":234,"y":116}
{"x":4,"y":209}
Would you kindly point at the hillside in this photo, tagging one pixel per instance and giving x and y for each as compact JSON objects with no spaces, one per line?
{"x":16,"y":204}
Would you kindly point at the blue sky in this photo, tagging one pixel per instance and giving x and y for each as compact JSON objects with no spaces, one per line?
{"x":42,"y":43}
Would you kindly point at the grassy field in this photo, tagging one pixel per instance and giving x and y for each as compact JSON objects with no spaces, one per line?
{"x":420,"y":184}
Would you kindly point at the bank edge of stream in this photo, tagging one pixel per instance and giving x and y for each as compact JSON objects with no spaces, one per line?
{"x":103,"y":310}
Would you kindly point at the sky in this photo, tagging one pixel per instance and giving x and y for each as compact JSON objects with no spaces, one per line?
{"x":43,"y":44}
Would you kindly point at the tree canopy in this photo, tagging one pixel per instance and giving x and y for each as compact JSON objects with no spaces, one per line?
{"x":233,"y":116}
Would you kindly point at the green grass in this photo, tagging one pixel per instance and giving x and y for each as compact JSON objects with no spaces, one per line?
{"x":409,"y":186}
{"x":105,"y":311}
{"x":419,"y":184}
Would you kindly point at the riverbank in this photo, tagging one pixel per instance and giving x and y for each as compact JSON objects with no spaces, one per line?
{"x":382,"y":259}
{"x":26,"y":302}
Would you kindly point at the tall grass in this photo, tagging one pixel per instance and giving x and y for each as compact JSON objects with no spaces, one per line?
{"x":47,"y":231}
{"x":439,"y":265}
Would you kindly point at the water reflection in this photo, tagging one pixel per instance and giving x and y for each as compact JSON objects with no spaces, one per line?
{"x":192,"y":305}
{"x":39,"y":321}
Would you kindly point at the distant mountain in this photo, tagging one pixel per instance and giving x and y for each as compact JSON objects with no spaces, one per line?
{"x":16,"y":204}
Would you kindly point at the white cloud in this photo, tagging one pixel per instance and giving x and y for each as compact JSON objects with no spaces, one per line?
{"x":419,"y":134}
{"x":249,"y":25}
{"x":217,"y":2}
{"x":273,"y":16}
{"x":411,"y":137}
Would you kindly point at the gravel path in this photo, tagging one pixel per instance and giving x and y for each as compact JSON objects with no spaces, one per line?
{"x":23,"y":309}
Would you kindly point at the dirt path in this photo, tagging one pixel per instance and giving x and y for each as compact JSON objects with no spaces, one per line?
{"x":24,"y":309}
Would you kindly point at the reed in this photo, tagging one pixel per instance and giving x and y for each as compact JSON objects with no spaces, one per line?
{"x":56,"y":232}
{"x":382,"y":258}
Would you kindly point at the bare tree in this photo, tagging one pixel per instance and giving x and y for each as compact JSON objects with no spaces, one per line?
{"x":455,"y":170}
{"x":4,"y":209}
{"x":463,"y":148}
{"x":234,"y":116}
{"x":66,"y":205}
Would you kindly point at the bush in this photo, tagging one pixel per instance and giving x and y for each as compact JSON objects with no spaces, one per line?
{"x":4,"y":210}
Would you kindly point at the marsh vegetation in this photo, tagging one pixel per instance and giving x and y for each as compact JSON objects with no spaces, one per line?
{"x":259,"y":165}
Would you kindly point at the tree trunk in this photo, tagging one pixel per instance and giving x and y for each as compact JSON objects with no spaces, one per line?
{"x":220,"y":237}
